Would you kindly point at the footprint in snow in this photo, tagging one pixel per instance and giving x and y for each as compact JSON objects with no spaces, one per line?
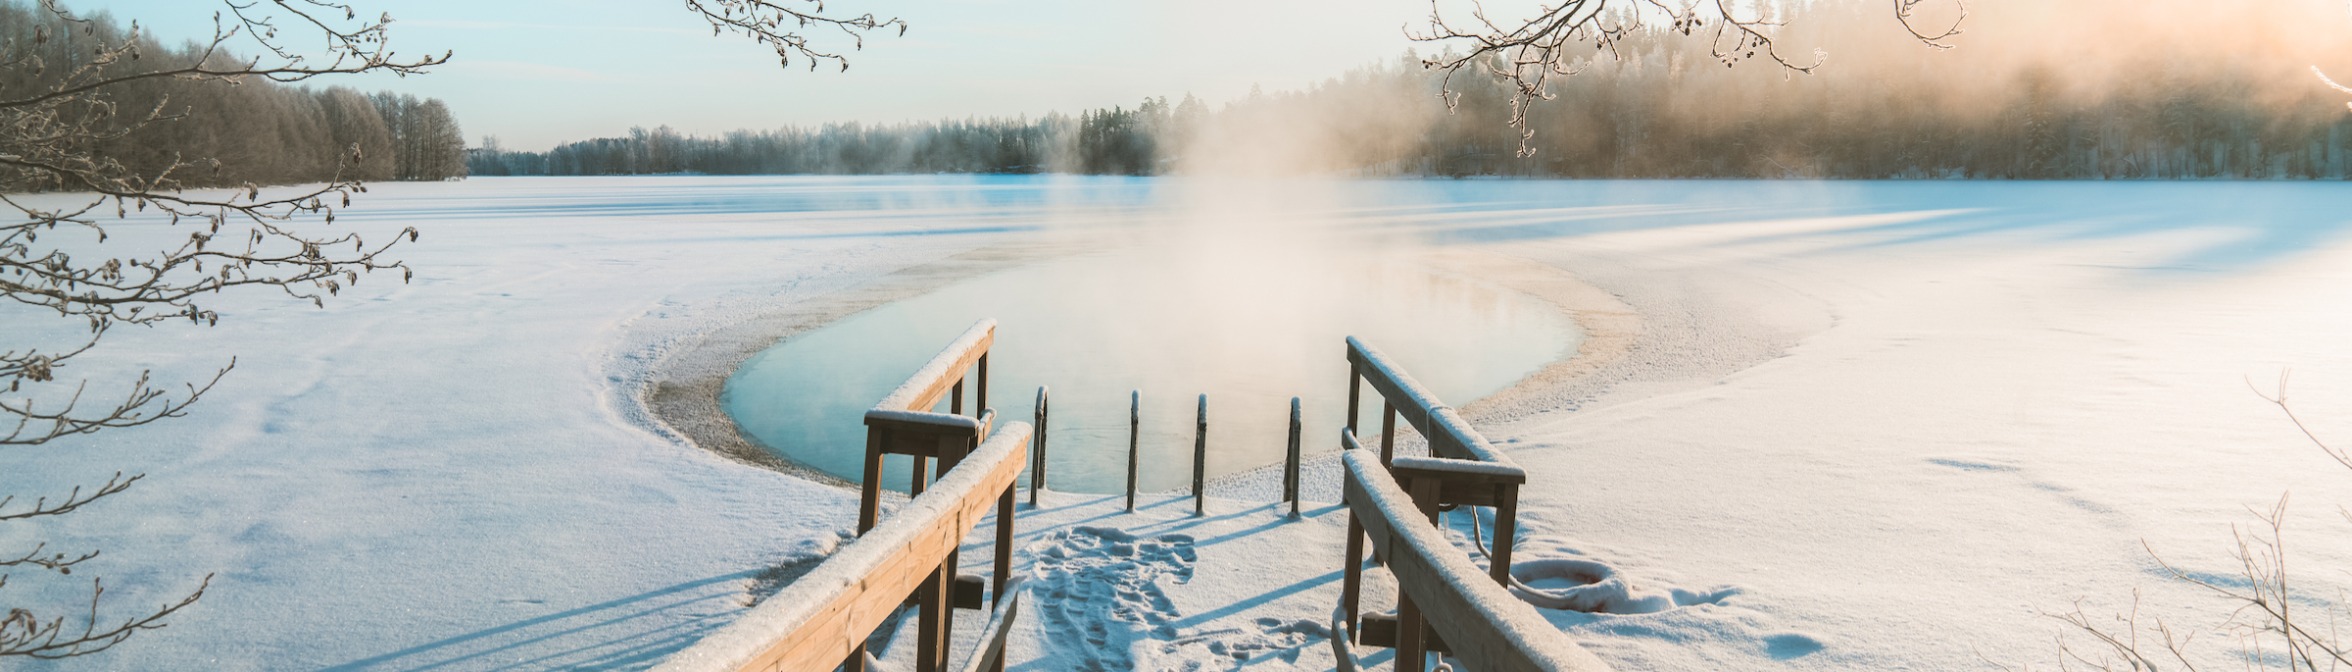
{"x":1103,"y":601}
{"x":1100,"y":592}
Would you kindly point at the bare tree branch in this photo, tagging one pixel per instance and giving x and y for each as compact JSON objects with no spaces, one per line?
{"x":1560,"y":40}
{"x":785,"y":26}
{"x":65,"y":109}
{"x":24,"y":633}
{"x":2272,"y":630}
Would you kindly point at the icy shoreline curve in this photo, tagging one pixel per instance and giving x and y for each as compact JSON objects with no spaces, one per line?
{"x":680,"y":390}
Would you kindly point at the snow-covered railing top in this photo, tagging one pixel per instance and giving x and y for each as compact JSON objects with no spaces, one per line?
{"x":945,"y":371}
{"x":821,"y":618}
{"x":1479,"y":622}
{"x":1448,"y":434}
{"x":904,"y":424}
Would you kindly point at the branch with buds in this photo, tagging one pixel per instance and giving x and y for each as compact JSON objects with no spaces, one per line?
{"x":1562,"y":40}
{"x":785,"y":26}
{"x":64,"y":91}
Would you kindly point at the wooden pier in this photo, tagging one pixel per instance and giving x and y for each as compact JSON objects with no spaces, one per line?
{"x":964,"y":465}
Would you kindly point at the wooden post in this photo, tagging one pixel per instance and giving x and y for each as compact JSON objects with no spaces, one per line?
{"x":1200,"y":460}
{"x":1037,"y":460}
{"x":1410,"y":654}
{"x":1411,"y":650}
{"x":1387,"y":432}
{"x":1355,"y":393}
{"x":1004,"y":548}
{"x":1290,"y":467}
{"x":980,"y":396}
{"x":1351,"y":585}
{"x":1506,"y":527}
{"x":870,"y":490}
{"x":1134,"y":431}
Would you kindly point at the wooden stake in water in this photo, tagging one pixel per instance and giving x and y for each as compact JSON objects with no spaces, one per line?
{"x":1200,"y":461}
{"x":1290,"y":466}
{"x":1134,"y":428}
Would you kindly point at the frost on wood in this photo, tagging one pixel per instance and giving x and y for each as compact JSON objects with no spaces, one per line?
{"x":934,"y":376}
{"x":880,"y":556}
{"x":1485,"y":624}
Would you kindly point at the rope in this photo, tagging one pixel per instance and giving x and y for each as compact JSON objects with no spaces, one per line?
{"x":1478,"y":541}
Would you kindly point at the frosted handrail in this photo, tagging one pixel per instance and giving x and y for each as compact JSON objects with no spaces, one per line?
{"x":1482,"y":623}
{"x":1448,"y":434}
{"x":923,"y":389}
{"x":816,"y":621}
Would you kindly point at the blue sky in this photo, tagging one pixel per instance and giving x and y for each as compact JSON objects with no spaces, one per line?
{"x":538,"y":72}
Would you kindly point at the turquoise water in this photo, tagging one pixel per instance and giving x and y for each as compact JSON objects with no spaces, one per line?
{"x":1249,"y":327}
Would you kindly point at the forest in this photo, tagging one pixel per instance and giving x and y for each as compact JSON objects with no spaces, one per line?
{"x":258,"y":131}
{"x":1660,"y":106}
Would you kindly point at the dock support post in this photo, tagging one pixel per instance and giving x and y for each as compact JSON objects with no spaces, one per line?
{"x":1134,"y":430}
{"x":1200,"y":460}
{"x":1290,"y":465}
{"x":1037,"y":466}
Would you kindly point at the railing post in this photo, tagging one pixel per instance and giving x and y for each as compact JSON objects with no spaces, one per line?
{"x":1506,"y":529}
{"x":1355,"y":390}
{"x":1388,"y":417}
{"x":1134,"y":432}
{"x":1412,"y":647}
{"x":1290,"y":466}
{"x":1037,"y":461}
{"x":1200,"y":460}
{"x":1351,"y":585}
{"x":1004,"y":548}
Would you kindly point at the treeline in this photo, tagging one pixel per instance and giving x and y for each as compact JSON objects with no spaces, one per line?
{"x":1113,"y":141}
{"x":1664,"y":108}
{"x":261,"y":132}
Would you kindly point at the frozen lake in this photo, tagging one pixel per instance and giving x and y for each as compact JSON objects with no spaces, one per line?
{"x":1862,"y":411}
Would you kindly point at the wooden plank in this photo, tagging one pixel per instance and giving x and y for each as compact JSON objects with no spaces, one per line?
{"x":1456,"y":470}
{"x":1487,"y":628}
{"x":1381,"y":630}
{"x":815,"y":622}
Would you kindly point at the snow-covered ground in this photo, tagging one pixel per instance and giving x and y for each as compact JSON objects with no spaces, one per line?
{"x":1862,"y":425}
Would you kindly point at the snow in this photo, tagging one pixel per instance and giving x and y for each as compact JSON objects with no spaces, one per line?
{"x":1855,"y":426}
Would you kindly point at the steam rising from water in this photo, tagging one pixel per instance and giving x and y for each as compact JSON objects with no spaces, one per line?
{"x":1244,"y":292}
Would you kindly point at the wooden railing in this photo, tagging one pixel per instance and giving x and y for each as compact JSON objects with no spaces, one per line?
{"x":822,"y":620}
{"x":1479,"y":622}
{"x":1394,"y":502}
